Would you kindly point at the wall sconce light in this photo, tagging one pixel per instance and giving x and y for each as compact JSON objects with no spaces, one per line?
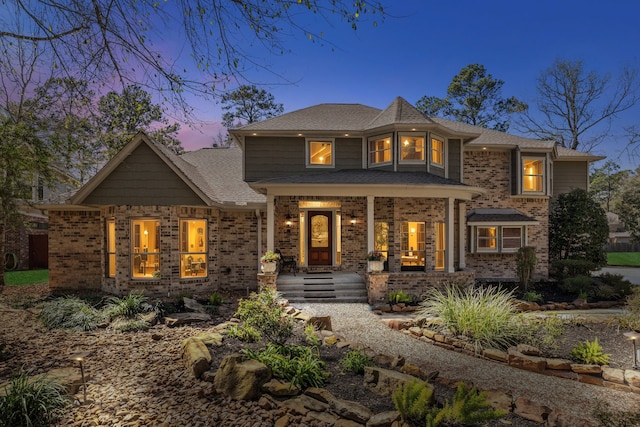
{"x":634,"y":336}
{"x":289,"y":220}
{"x":353,"y":219}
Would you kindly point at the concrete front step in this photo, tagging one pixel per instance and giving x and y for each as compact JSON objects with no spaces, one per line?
{"x":323,"y":287}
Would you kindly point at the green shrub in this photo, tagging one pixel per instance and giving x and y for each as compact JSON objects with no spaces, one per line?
{"x":35,"y":401}
{"x":485,"y":315}
{"x":525,"y":263}
{"x":70,"y":313}
{"x":355,"y":361}
{"x":572,"y":267}
{"x":468,"y":407}
{"x":128,"y":307}
{"x":590,"y":352}
{"x":216,"y":299}
{"x":613,"y":286}
{"x":546,"y":335}
{"x":399,"y":296}
{"x":579,"y":285}
{"x":262,"y":311}
{"x":123,"y":324}
{"x":631,"y":318}
{"x":532,"y":296}
{"x":245,"y":333}
{"x":412,"y":400}
{"x":311,"y":335}
{"x":299,"y":365}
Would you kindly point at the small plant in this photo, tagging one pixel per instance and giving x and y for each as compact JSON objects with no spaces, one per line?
{"x":399,"y":296}
{"x":412,"y":400}
{"x":468,"y":407}
{"x":545,"y":335}
{"x":590,"y":352}
{"x":355,"y":361}
{"x":129,"y":306}
{"x":31,"y":401}
{"x":216,"y":299}
{"x":532,"y":296}
{"x":311,"y":335}
{"x":270,"y":256}
{"x":246,"y":333}
{"x":375,"y":256}
{"x":299,"y":365}
{"x":262,"y":311}
{"x":129,"y":325}
{"x":525,"y":264}
{"x":70,"y":313}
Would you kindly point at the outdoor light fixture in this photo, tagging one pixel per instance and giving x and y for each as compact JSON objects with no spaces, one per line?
{"x":80,"y":358}
{"x":634,"y":336}
{"x":289,"y":222}
{"x":353,"y":219}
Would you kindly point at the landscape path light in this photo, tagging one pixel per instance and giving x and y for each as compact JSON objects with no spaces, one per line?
{"x":634,"y":336}
{"x":80,"y":358}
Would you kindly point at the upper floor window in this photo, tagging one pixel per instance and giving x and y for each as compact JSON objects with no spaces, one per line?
{"x":412,"y":148}
{"x":145,"y":248}
{"x":379,"y":150}
{"x":437,"y":152}
{"x":193,"y":248}
{"x":532,"y":175}
{"x":320,"y":153}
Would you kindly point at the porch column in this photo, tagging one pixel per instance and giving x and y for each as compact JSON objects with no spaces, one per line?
{"x":370,"y":225}
{"x":259,"y":222}
{"x":449,"y":219}
{"x":270,"y":221}
{"x":462,"y":228}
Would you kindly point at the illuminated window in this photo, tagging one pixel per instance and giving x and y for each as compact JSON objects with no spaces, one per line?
{"x":411,"y":148}
{"x":413,"y":246}
{"x":487,"y":239}
{"x":379,"y":150}
{"x":499,"y":238}
{"x":145,"y":248}
{"x":111,"y":248}
{"x":320,"y":153}
{"x":440,"y":245}
{"x":437,"y":152}
{"x":193,"y":248}
{"x":532,"y":175}
{"x":381,"y":237}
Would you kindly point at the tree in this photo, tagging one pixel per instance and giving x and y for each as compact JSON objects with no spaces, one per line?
{"x":606,"y":183}
{"x":578,"y":228}
{"x":24,"y":160}
{"x":628,"y":205}
{"x":577,"y":107}
{"x":127,"y":42}
{"x":122,"y":115}
{"x":247,"y":104}
{"x":473,"y":97}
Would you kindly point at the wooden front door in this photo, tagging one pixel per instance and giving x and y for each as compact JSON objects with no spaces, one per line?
{"x":320,"y":232}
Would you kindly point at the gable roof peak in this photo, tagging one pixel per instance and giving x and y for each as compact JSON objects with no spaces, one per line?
{"x":400,"y":111}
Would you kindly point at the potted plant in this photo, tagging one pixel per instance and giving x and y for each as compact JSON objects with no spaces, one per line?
{"x":376,"y":261}
{"x":269,"y":261}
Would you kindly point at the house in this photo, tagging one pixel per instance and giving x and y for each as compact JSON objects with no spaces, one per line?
{"x":444,"y":201}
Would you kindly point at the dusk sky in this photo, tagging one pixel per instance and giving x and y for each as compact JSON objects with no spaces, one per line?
{"x":424,"y":43}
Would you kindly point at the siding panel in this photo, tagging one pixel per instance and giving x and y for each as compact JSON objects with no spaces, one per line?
{"x":569,"y":175}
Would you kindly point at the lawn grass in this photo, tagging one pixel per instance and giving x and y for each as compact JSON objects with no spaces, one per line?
{"x":631,"y":259}
{"x":27,"y":277}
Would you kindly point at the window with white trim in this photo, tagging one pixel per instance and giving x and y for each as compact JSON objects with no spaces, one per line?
{"x":498,"y":238}
{"x":193,"y":248}
{"x":320,"y":153}
{"x":380,"y":150}
{"x":145,"y":248}
{"x":437,"y":151}
{"x":533,"y":176}
{"x":413,"y":248}
{"x":412,"y":149}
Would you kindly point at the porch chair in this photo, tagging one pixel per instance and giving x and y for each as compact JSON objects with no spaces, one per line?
{"x":288,"y":261}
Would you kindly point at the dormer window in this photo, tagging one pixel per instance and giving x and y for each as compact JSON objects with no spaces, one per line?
{"x":412,"y":148}
{"x":320,"y":153}
{"x":437,"y":152}
{"x":533,"y":175}
{"x":380,"y":150}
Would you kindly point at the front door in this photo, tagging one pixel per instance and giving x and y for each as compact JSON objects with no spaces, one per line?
{"x":320,"y":237}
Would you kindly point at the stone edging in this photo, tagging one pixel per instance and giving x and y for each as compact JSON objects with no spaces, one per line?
{"x":526,"y":357}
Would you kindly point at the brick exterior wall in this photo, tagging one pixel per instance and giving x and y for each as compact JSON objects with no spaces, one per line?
{"x":492,"y":171}
{"x":78,"y":251}
{"x":379,"y":285}
{"x":17,"y":238}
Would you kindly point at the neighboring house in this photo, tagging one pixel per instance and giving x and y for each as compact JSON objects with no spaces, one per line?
{"x":444,"y":201}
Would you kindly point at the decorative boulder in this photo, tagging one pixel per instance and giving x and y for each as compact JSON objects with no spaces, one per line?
{"x":241,"y":380}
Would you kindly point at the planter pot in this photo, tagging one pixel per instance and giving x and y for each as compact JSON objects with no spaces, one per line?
{"x":269,"y":267}
{"x":376,"y":266}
